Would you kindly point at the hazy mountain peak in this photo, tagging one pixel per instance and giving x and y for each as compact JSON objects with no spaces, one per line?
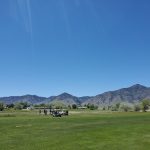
{"x":65,"y":95}
{"x":131,"y":94}
{"x":138,"y":86}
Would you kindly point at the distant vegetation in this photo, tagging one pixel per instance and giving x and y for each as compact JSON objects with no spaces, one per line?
{"x":135,"y":98}
{"x":143,"y":105}
{"x":1,"y":106}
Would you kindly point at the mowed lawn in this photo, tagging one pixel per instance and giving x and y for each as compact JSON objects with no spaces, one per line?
{"x":78,"y":131}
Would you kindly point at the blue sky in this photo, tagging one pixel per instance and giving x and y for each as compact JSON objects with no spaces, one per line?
{"x":83,"y":47}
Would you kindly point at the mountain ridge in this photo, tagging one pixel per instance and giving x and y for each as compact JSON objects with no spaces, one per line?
{"x":130,"y":94}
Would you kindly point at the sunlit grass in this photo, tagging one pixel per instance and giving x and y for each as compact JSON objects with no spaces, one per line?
{"x":90,"y":130}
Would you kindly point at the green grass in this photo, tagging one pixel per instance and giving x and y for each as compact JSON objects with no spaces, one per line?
{"x":80,"y":131}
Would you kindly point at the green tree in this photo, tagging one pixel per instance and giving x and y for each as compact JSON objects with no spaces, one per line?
{"x":74,"y":106}
{"x":115,"y":106}
{"x":93,"y":107}
{"x":42,"y":105}
{"x":104,"y":108}
{"x":137,"y":107}
{"x":1,"y":106}
{"x":25,"y":104}
{"x":18,"y":106}
{"x":88,"y":105}
{"x":21,"y":105}
{"x":109,"y":107}
{"x":145,"y":104}
{"x":125,"y":107}
{"x":10,"y":105}
{"x":69,"y":106}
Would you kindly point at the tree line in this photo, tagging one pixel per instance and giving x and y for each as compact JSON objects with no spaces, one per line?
{"x":144,"y":105}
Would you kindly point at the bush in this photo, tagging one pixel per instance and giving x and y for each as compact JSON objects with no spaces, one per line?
{"x":10,"y":105}
{"x":18,"y":106}
{"x":92,"y":106}
{"x":126,"y":107}
{"x":21,"y":105}
{"x":104,"y":108}
{"x":1,"y":106}
{"x":69,"y":106}
{"x":145,"y":105}
{"x":74,"y":106}
{"x":137,"y":107}
{"x":115,"y":107}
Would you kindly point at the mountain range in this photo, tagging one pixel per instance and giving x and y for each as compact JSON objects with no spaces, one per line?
{"x":131,"y":94}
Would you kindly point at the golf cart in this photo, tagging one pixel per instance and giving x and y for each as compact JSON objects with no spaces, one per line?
{"x":56,"y":114}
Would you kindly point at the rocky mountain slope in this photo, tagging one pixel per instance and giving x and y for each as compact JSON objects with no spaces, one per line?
{"x":65,"y":98}
{"x":134,"y":93}
{"x":25,"y":98}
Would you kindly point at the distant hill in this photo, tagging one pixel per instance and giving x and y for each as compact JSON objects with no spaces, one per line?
{"x":25,"y":98}
{"x":65,"y":98}
{"x":134,"y":93}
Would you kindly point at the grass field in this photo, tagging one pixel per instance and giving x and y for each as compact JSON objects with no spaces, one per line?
{"x":79,"y":131}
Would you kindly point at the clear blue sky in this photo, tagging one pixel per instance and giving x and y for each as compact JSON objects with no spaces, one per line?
{"x":83,"y":47}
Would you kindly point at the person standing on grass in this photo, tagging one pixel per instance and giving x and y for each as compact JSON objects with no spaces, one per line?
{"x":40,"y":111}
{"x":45,"y":111}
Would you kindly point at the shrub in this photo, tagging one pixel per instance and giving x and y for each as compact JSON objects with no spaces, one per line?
{"x":74,"y":106}
{"x":1,"y":106}
{"x":92,"y":106}
{"x":10,"y":105}
{"x":145,"y":105}
{"x":115,"y":107}
{"x":137,"y":107}
{"x":18,"y":106}
{"x":126,"y":107}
